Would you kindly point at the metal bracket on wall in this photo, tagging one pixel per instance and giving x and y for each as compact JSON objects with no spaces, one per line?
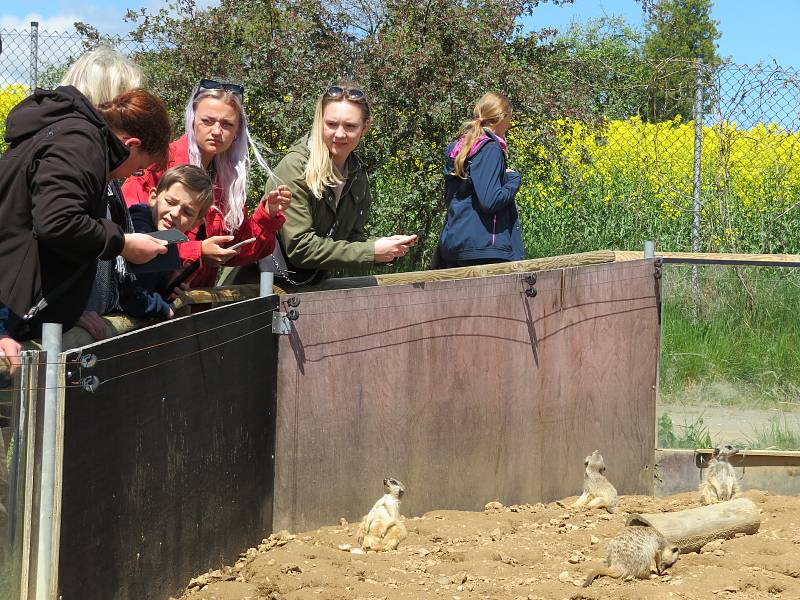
{"x":530,"y":280}
{"x":282,"y":321}
{"x":76,"y":377}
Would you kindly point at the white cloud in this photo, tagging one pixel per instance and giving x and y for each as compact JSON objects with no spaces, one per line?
{"x":56,"y":23}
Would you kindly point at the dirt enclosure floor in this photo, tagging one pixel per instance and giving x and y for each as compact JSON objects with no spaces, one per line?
{"x":539,"y":551}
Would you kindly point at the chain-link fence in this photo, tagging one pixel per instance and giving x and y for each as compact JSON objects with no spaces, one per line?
{"x":32,"y":58}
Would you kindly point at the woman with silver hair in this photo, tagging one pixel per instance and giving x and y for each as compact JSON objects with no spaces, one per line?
{"x":217,"y":139}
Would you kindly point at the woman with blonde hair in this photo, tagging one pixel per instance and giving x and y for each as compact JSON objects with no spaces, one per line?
{"x":325,"y":223}
{"x":217,"y":139}
{"x":482,"y":224}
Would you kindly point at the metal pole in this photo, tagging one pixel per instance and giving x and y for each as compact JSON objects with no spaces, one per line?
{"x":265,"y":283}
{"x":697,"y":114}
{"x":51,"y":342}
{"x":34,"y":55}
{"x":649,"y":249}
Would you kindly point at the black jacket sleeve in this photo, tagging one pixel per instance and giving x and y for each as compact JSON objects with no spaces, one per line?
{"x":68,"y":186}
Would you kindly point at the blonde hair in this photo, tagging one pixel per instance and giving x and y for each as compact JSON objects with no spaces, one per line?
{"x":320,"y":172}
{"x":231,"y":166}
{"x":488,"y":112}
{"x":195,"y":180}
{"x":103,"y":74}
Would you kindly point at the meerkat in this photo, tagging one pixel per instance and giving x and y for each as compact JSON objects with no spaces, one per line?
{"x":720,"y":483}
{"x":597,"y":490}
{"x":382,"y":529}
{"x":635,"y":552}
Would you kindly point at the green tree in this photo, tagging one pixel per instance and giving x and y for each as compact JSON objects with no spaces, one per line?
{"x":609,"y":53}
{"x":678,"y":33}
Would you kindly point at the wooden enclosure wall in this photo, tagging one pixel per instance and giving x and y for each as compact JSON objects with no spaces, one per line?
{"x":167,"y":467}
{"x":467,"y":391}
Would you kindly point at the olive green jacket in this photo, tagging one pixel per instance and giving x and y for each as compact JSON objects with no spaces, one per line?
{"x":317,"y":233}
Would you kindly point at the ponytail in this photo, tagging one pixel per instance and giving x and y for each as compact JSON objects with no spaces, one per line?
{"x":488,"y":112}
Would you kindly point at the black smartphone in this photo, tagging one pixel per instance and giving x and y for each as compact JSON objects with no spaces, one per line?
{"x":171,"y":236}
{"x":181,"y":277}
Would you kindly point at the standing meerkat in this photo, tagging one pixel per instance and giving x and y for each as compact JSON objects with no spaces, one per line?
{"x":597,"y":490}
{"x":635,"y":552}
{"x":381,"y":528}
{"x":720,"y":483}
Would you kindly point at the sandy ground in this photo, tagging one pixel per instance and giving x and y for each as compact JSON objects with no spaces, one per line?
{"x":539,"y":551}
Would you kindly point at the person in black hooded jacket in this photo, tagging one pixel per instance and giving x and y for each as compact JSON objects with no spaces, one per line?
{"x":62,"y":152}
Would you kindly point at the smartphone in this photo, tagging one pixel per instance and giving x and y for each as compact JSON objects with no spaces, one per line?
{"x":242,"y":243}
{"x":181,"y":277}
{"x":171,"y":236}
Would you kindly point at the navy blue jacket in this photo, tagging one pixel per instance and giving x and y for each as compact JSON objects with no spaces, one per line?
{"x":482,"y":219}
{"x":139,"y":295}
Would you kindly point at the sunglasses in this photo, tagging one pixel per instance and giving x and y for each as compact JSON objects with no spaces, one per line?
{"x":335,"y":92}
{"x":233,"y":88}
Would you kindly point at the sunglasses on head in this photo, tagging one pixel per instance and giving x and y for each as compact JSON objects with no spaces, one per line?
{"x":335,"y":92}
{"x":233,"y":88}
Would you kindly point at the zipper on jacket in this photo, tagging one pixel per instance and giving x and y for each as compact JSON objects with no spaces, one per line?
{"x":494,"y":226}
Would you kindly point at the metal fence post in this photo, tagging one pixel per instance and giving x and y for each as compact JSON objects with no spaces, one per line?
{"x":45,"y":567}
{"x":697,"y":115}
{"x":266,"y":282}
{"x":34,"y":55}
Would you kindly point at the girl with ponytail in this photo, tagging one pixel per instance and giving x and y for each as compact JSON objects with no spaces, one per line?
{"x":482,"y":224}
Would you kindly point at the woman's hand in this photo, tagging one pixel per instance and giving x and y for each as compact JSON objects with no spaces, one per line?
{"x":394,"y":246}
{"x":214,"y":255}
{"x":9,"y":352}
{"x":140,"y":248}
{"x":92,"y":323}
{"x":278,"y":200}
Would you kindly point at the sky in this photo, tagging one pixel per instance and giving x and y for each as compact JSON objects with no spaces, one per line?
{"x":751,"y":31}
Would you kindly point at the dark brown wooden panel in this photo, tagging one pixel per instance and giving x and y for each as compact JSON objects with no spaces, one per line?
{"x":167,"y":467}
{"x":466,"y":390}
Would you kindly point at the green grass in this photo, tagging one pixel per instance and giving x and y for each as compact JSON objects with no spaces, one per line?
{"x":777,"y":434}
{"x":744,"y":347}
{"x":693,"y":434}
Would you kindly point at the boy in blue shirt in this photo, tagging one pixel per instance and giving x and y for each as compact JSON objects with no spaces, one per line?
{"x":181,"y":200}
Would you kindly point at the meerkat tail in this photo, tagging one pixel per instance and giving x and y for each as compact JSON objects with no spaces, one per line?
{"x":602,"y":571}
{"x":582,"y":500}
{"x":598,"y":502}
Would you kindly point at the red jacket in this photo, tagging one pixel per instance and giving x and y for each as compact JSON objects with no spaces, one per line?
{"x":260,"y":225}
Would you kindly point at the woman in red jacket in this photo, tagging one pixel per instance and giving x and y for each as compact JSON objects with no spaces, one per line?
{"x":217,"y":140}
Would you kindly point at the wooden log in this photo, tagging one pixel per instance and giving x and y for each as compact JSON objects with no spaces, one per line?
{"x":693,"y":528}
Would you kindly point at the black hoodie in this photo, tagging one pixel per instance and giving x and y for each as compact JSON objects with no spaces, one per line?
{"x":52,"y":194}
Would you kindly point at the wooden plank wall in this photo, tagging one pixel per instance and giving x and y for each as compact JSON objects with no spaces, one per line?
{"x":468,"y":391}
{"x":167,"y":467}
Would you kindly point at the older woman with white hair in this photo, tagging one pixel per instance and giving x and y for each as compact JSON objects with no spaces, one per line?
{"x":217,"y":139}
